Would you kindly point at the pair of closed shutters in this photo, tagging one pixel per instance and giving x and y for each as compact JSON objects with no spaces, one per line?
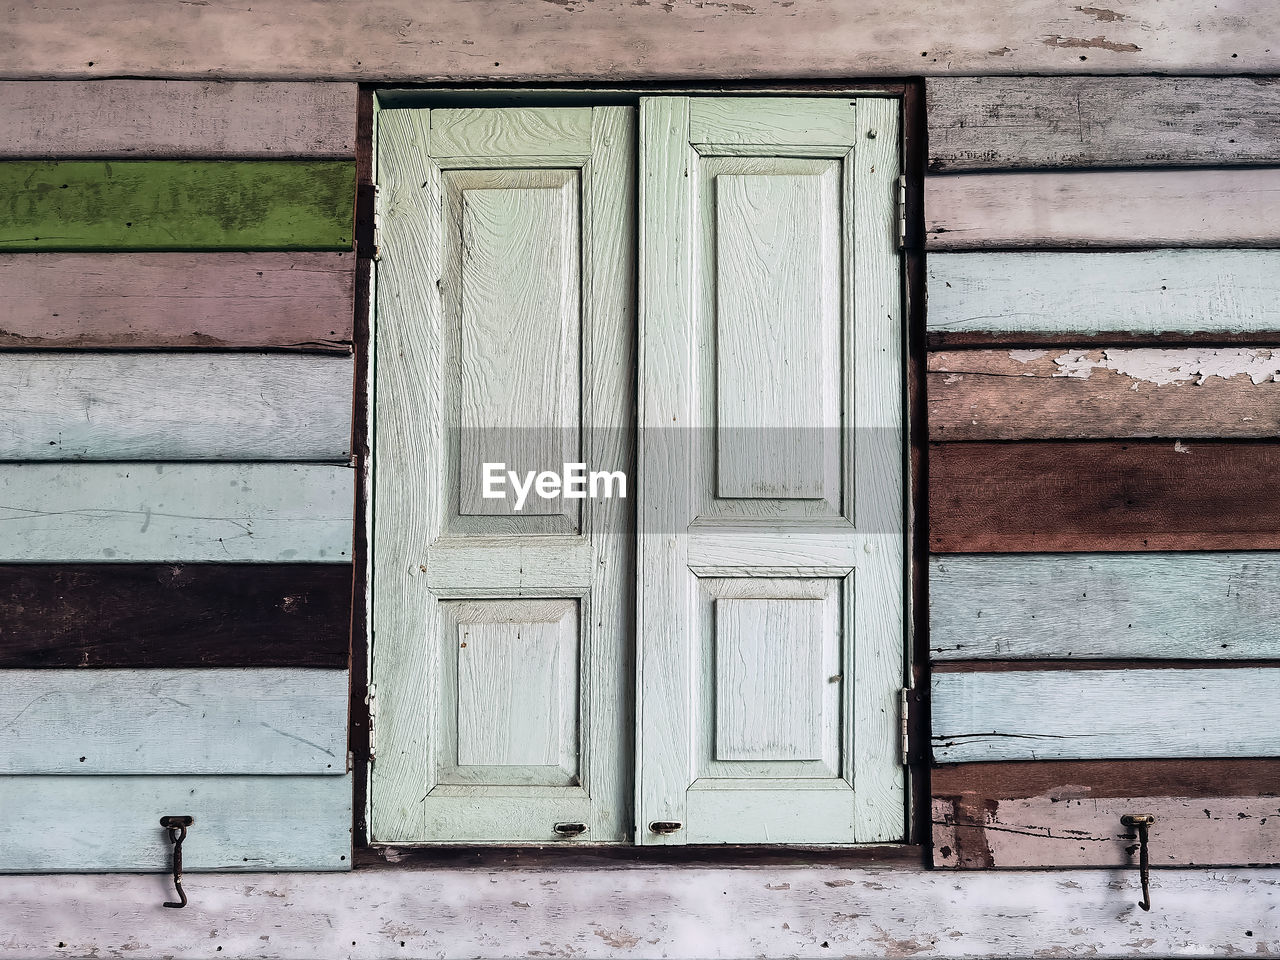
{"x":703,"y":294}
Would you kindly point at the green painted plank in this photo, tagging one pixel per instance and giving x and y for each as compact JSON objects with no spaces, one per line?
{"x":177,"y":205}
{"x":1128,"y":606}
{"x":101,"y":824}
{"x":216,"y":721}
{"x":176,"y":512}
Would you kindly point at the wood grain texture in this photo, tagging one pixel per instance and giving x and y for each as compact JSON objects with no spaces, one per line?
{"x":1159,"y":606}
{"x":462,"y":41}
{"x":1006,"y":123}
{"x":153,"y":721}
{"x":148,"y":406}
{"x":1059,"y":296}
{"x":164,"y":615}
{"x":174,"y":513}
{"x":1079,"y":394}
{"x":1064,"y":813}
{"x":604,"y":912}
{"x":168,"y":119}
{"x":1106,"y":714}
{"x":275,"y":301}
{"x":1128,"y":208}
{"x":1045,"y":496}
{"x":177,"y":205}
{"x":241,"y":823}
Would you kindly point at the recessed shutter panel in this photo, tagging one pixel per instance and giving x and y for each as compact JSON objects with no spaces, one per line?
{"x":771,"y":579}
{"x":500,"y":628}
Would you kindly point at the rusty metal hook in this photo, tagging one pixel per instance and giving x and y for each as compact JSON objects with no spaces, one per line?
{"x":177,"y":827}
{"x":1142,"y":821}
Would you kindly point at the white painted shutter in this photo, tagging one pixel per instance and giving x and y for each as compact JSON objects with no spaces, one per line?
{"x":501,"y":638}
{"x":772,"y":473}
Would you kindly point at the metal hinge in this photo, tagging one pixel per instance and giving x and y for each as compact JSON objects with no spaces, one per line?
{"x":368,"y":222}
{"x":371,"y":699}
{"x":902,"y":212}
{"x":904,"y":714}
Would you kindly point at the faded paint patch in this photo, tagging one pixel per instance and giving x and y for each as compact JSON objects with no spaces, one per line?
{"x":1180,"y":447}
{"x":1027,"y":356}
{"x":1162,"y":367}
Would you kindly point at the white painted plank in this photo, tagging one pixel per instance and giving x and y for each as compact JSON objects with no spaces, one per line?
{"x":231,"y":721}
{"x":1085,"y":294}
{"x":156,"y":406}
{"x":681,"y":910}
{"x":461,"y":41}
{"x":168,"y":119}
{"x":1212,"y":605}
{"x":96,"y":824}
{"x":136,"y":512}
{"x":1104,"y":714}
{"x":1005,"y":123}
{"x":1127,"y":208}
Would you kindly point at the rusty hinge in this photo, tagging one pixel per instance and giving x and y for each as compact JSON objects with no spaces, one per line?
{"x":368,"y":241}
{"x":901,"y":209}
{"x":371,"y":700}
{"x":909,"y":699}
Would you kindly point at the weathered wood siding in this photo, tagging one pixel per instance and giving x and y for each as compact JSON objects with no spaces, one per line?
{"x":1101,"y":422}
{"x":175,"y":617}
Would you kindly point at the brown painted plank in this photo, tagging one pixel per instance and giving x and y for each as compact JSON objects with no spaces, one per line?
{"x":467,"y":40}
{"x":1126,"y":208}
{"x":1096,"y":496}
{"x":1036,"y":814}
{"x":288,"y":301}
{"x":1075,"y":394}
{"x":1006,"y":123}
{"x":169,"y":119}
{"x":172,"y":615}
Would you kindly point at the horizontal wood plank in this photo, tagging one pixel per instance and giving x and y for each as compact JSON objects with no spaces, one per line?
{"x":1037,"y":497}
{"x":177,"y":205}
{"x":1064,"y":813}
{"x":175,"y":513}
{"x":165,"y":119}
{"x":166,"y":615}
{"x":974,"y":297}
{"x":1078,"y":606}
{"x":621,"y":912}
{"x":1080,"y":394}
{"x":1106,"y":714}
{"x":151,"y":406}
{"x":97,"y":824}
{"x":152,"y":721}
{"x":293,"y":301}
{"x":1127,"y":208}
{"x":1006,"y":123}
{"x":463,"y":41}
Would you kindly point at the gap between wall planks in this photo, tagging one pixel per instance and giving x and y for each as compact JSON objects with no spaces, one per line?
{"x":1066,"y":393}
{"x":73,"y":824}
{"x":463,"y":41}
{"x":176,"y":119}
{"x":1106,"y":714}
{"x":978,"y":298}
{"x":174,"y":407}
{"x":1008,"y":123}
{"x":170,"y":616}
{"x":271,"y":721}
{"x":1084,"y":606}
{"x":134,"y":205}
{"x":157,"y":512}
{"x":1121,"y":209}
{"x":255,"y":301}
{"x":1066,"y":813}
{"x":1043,"y":496}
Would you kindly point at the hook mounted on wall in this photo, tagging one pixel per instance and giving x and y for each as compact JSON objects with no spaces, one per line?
{"x":1142,"y":821}
{"x":177,"y":827}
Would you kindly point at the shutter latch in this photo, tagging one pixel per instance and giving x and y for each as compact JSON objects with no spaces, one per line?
{"x":177,"y":827}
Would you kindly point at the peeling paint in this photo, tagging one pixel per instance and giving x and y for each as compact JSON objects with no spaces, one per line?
{"x":1162,"y":367}
{"x":1089,"y":43}
{"x":1102,"y":15}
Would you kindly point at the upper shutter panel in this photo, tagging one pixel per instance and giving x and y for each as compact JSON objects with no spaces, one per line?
{"x":771,"y":603}
{"x":500,"y":635}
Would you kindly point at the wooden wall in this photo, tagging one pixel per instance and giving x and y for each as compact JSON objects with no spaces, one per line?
{"x":177,"y":294}
{"x":1102,"y":382}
